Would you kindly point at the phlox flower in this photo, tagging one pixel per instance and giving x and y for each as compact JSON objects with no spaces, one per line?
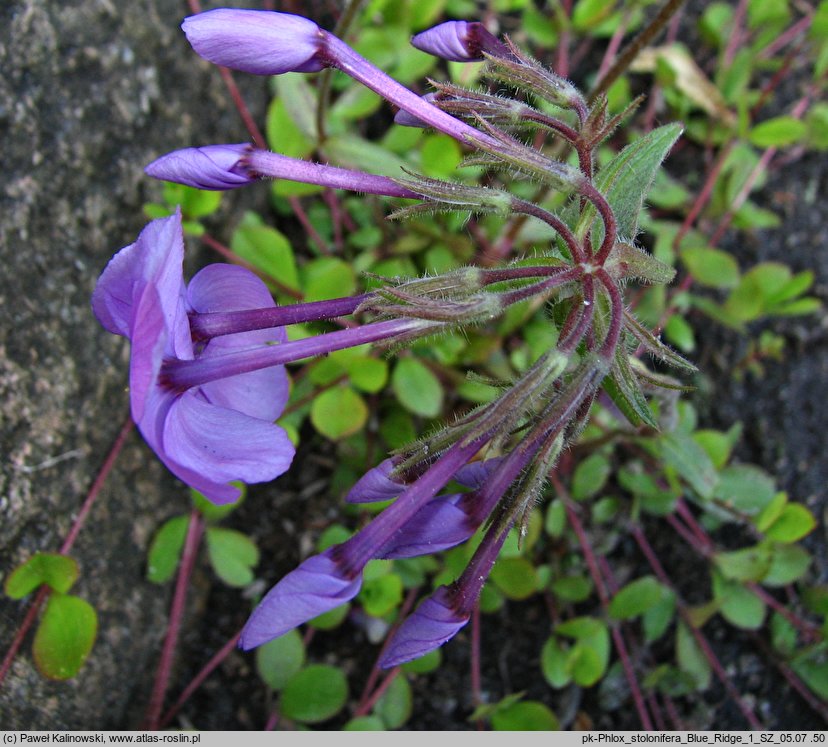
{"x":212,"y":434}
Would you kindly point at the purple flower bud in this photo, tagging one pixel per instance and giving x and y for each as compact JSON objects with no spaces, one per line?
{"x":316,"y":586}
{"x":475,"y":474}
{"x":433,"y":623}
{"x":215,"y":167}
{"x":376,"y":485}
{"x":439,"y":525}
{"x":255,"y":41}
{"x":459,"y":41}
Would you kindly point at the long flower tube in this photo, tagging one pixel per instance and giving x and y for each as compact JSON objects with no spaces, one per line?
{"x":265,"y":42}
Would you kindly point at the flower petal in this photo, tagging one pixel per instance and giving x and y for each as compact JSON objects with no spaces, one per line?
{"x":260,"y":394}
{"x":314,"y":587}
{"x":475,"y":474}
{"x":222,"y":444}
{"x":432,"y":624}
{"x":449,"y":40}
{"x":376,"y":485}
{"x":156,"y":258}
{"x":438,"y":525}
{"x":255,"y":41}
{"x":209,"y":167}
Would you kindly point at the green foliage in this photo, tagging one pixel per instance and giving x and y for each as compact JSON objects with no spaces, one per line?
{"x":65,"y":636}
{"x":314,"y":694}
{"x":58,"y":572}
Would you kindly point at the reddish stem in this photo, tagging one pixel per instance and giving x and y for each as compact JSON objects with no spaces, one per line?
{"x":736,"y":34}
{"x":474,"y":650}
{"x":195,"y":529}
{"x":86,"y":507}
{"x":595,"y":572}
{"x":198,"y":680}
{"x":367,"y":705}
{"x":706,"y":650}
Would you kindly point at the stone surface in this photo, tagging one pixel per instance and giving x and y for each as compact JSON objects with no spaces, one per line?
{"x":91,"y":91}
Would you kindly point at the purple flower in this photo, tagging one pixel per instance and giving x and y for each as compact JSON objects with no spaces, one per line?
{"x":434,"y":622}
{"x":318,"y":585}
{"x":376,"y":485}
{"x":459,"y":41}
{"x":256,"y":41}
{"x":208,"y":167}
{"x":217,"y":432}
{"x":323,"y":582}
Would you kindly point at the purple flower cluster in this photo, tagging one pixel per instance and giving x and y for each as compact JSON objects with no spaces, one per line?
{"x":207,"y":378}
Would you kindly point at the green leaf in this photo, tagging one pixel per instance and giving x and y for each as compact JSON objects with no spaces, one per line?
{"x":354,"y":152}
{"x":417,"y":388}
{"x":425,"y":663}
{"x":778,"y":132}
{"x":368,"y":374}
{"x":590,"y":476}
{"x":572,"y":588}
{"x":657,"y":618}
{"x":57,"y":571}
{"x":555,"y":663}
{"x":679,"y":331}
{"x":690,"y":657}
{"x":338,"y":412}
{"x":278,"y":660}
{"x":788,"y":563}
{"x":314,"y":694}
{"x":331,"y":619}
{"x":623,"y":387}
{"x":526,"y":715}
{"x":745,"y":487}
{"x":555,"y":522}
{"x":65,"y":636}
{"x":637,"y":597}
{"x":165,"y":549}
{"x":214,"y":513}
{"x":626,"y":180}
{"x":748,"y":564}
{"x":232,"y":554}
{"x":381,"y":595}
{"x":395,"y":705}
{"x":812,"y":667}
{"x":711,"y":267}
{"x":793,"y":524}
{"x":691,"y":461}
{"x":364,"y":723}
{"x":283,"y":133}
{"x":515,"y":577}
{"x":268,"y":250}
{"x":327,"y":277}
{"x":770,"y":513}
{"x":589,"y":657}
{"x":737,"y":604}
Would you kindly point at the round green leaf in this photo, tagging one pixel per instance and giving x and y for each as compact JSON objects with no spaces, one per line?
{"x":338,"y":412}
{"x":314,"y":694}
{"x":585,"y":665}
{"x":636,"y":598}
{"x":57,"y":571}
{"x":425,"y":663}
{"x":381,"y":595}
{"x":691,"y":659}
{"x":165,"y":549}
{"x":395,"y":705}
{"x":417,"y":388}
{"x":232,"y":554}
{"x":327,"y":277}
{"x":368,"y":374}
{"x":65,"y":636}
{"x":590,"y":476}
{"x":778,"y":132}
{"x":527,"y":715}
{"x":364,"y":723}
{"x":278,"y":660}
{"x":793,"y":524}
{"x":515,"y":577}
{"x":554,"y":663}
{"x":788,"y":564}
{"x":711,"y":267}
{"x":331,"y":619}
